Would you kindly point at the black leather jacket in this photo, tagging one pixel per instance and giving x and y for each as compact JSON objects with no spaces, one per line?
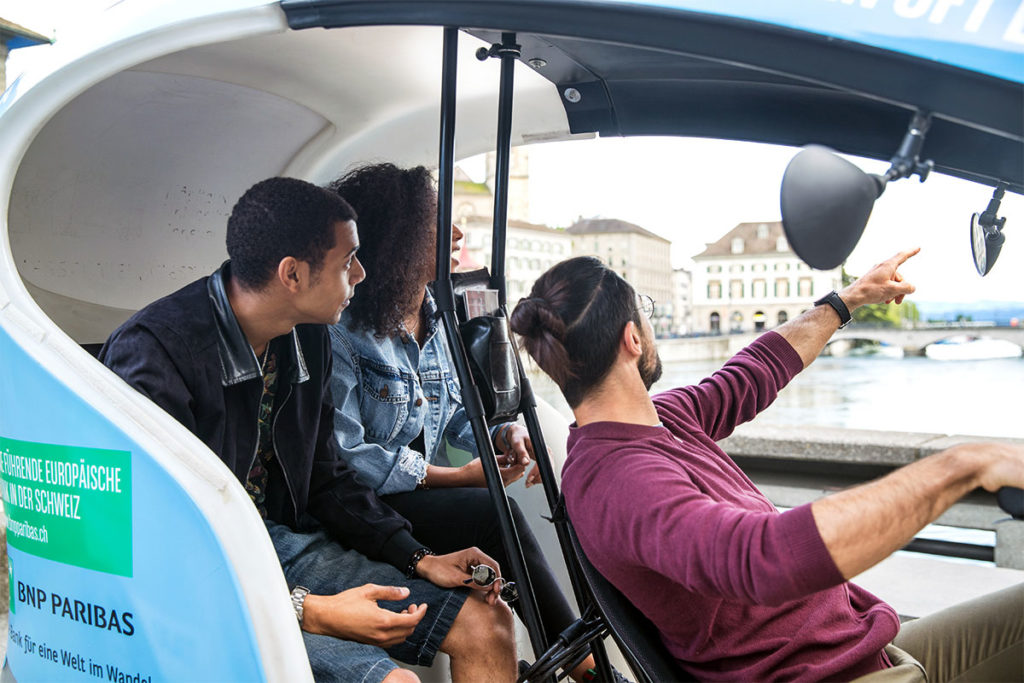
{"x":188,"y":354}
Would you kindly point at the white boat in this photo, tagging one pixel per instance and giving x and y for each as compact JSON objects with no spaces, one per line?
{"x":966,"y":347}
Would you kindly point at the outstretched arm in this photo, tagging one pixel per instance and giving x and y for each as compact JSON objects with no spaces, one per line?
{"x":809,"y":332}
{"x":864,"y":525}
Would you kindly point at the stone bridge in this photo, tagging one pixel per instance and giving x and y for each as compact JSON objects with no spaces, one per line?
{"x":914,"y":340}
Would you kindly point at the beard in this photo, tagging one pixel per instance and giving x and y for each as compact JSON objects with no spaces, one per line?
{"x":649,"y":366}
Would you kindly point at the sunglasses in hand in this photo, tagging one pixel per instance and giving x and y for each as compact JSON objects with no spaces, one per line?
{"x":484,"y":575}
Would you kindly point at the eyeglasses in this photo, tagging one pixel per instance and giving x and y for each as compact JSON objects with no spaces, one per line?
{"x":484,"y":575}
{"x":645,"y":304}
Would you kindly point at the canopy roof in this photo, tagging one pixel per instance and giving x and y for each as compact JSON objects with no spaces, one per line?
{"x":120,"y":164}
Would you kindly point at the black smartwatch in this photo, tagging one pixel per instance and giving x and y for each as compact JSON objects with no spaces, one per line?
{"x":836,"y":302}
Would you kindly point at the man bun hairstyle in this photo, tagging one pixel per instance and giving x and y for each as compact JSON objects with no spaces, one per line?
{"x":280,"y":217}
{"x":572,"y":322}
{"x":542,"y":333}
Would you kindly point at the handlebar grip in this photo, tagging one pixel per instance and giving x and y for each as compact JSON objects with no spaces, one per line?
{"x":1011,"y":499}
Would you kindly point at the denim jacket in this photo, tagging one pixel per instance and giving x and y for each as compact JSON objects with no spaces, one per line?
{"x":385,"y":392}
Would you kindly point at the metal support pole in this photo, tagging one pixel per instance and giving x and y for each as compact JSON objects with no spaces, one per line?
{"x":509,"y":52}
{"x":445,"y":297}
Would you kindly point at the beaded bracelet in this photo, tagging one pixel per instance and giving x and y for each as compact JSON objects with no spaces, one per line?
{"x":410,"y":571}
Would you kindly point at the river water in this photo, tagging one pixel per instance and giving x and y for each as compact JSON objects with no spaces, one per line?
{"x":882,"y":392}
{"x":915,"y":394}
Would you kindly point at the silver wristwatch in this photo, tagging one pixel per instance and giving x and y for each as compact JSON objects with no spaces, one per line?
{"x":299,"y":594}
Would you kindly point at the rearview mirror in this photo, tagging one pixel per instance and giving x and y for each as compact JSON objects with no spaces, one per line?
{"x":826,"y":202}
{"x":985,"y":245}
{"x":987,"y":233}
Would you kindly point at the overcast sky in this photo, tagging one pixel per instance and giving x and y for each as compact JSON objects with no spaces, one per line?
{"x":692,"y":191}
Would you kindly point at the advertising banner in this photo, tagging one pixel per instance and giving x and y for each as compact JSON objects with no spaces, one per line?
{"x":114,"y":573}
{"x":980,"y":35}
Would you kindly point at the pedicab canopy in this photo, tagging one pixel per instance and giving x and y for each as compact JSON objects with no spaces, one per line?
{"x":134,"y":554}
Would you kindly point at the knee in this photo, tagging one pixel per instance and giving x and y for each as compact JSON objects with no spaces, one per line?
{"x":401,"y":676}
{"x":481,"y":627}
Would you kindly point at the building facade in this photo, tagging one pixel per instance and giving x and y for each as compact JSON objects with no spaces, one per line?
{"x":13,"y":36}
{"x":682,"y":302}
{"x":529,"y":251}
{"x":640,"y":256}
{"x":750,"y":280}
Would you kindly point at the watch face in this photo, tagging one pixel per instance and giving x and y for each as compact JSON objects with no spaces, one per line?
{"x":978,"y":245}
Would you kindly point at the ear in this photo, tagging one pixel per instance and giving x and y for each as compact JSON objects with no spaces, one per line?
{"x":292,"y":274}
{"x":632,"y":342}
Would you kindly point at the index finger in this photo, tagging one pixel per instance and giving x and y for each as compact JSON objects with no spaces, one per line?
{"x":903,"y":256}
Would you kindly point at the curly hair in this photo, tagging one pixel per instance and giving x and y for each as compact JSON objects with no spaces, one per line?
{"x":280,"y":217}
{"x":397,"y":237}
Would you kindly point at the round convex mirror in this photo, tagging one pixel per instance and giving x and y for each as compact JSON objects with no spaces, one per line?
{"x":978,"y":244}
{"x":986,"y":242}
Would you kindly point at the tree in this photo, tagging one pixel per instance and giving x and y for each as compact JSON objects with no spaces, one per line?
{"x":883,"y":315}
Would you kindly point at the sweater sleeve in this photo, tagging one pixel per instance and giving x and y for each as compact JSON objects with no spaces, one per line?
{"x":746,"y":385}
{"x":709,"y":547}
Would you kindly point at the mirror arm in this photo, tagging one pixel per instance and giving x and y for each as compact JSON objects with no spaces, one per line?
{"x":989,"y":217}
{"x":907,"y":160}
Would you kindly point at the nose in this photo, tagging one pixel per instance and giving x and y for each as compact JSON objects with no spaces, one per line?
{"x":456,"y":233}
{"x":358,"y":273}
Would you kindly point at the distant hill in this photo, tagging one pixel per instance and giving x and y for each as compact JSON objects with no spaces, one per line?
{"x":999,"y":312}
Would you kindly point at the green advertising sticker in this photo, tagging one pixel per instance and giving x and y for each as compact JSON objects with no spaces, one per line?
{"x":69,"y":504}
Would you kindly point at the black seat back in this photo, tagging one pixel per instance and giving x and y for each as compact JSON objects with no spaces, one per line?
{"x":636,"y":636}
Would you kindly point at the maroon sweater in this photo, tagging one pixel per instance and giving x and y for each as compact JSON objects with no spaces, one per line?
{"x":739,"y":591}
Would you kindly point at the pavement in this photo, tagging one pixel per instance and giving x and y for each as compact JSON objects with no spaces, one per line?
{"x":917,"y":585}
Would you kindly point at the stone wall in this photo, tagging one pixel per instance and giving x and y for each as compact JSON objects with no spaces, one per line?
{"x":796,"y":465}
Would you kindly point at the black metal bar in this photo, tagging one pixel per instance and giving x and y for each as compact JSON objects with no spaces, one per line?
{"x":445,"y":297}
{"x":509,"y":53}
{"x":967,"y":551}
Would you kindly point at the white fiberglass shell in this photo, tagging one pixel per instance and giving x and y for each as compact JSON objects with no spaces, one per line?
{"x":123,"y":194}
{"x":120,"y":163}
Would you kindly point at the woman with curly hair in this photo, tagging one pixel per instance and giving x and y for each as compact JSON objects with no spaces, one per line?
{"x":397,"y":395}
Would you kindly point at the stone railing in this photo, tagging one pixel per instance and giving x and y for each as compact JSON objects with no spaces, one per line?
{"x":796,"y":465}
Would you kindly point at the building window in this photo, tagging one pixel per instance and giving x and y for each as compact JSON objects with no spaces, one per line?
{"x":715,"y":269}
{"x":759,"y":321}
{"x":783,"y":317}
{"x":736,"y":268}
{"x":737,"y":245}
{"x":715,"y":323}
{"x":805,"y":287}
{"x":781,"y":288}
{"x":758,"y":268}
{"x":762,"y":231}
{"x":736,"y":322}
{"x":759,"y":289}
{"x":780,"y":244}
{"x":736,"y":289}
{"x":714,"y":289}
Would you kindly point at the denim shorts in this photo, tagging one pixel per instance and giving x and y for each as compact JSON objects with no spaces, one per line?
{"x":325,"y":567}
